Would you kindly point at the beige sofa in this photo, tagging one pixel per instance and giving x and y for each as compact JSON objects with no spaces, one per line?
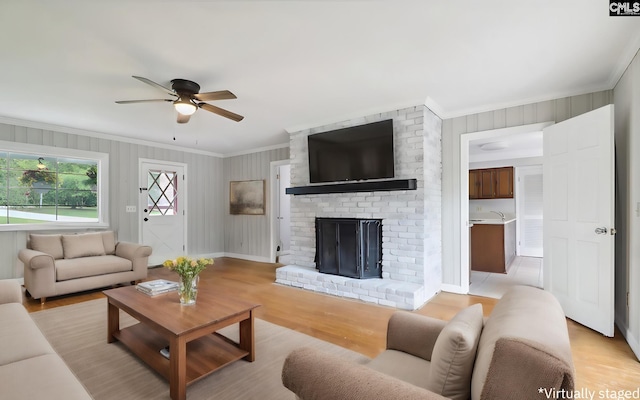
{"x":29,"y":367}
{"x":67,"y":263}
{"x":522,"y":348}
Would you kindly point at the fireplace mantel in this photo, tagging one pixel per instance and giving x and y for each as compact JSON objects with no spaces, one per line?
{"x":365,"y":186}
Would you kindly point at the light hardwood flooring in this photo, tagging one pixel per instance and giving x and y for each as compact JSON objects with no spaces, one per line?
{"x":601,"y":363}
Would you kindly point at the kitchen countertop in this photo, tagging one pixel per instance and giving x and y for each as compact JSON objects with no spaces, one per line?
{"x":491,"y":221}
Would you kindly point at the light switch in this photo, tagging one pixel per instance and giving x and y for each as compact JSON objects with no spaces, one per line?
{"x":131,"y":209}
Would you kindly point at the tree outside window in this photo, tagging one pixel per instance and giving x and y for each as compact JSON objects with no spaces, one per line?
{"x":47,"y":189}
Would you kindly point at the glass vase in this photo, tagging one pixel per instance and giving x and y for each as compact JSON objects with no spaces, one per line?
{"x":188,"y":290}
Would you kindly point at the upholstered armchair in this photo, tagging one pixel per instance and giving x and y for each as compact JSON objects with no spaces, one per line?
{"x":425,"y":358}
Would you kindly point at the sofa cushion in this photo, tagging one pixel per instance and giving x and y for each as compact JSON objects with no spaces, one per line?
{"x":454,"y":354}
{"x":50,"y":244}
{"x":21,"y":338}
{"x":10,"y":291}
{"x":90,"y":266}
{"x":109,"y":242}
{"x":404,"y":366}
{"x":42,"y":377}
{"x":82,"y":245}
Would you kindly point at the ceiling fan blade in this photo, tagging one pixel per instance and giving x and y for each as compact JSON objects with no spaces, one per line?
{"x":219,"y":95}
{"x":183,"y":119}
{"x":221,"y":111}
{"x":142,"y":101}
{"x":156,"y":85}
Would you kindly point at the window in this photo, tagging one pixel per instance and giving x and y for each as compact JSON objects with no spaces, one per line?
{"x":44,"y":188}
{"x":163,"y":192}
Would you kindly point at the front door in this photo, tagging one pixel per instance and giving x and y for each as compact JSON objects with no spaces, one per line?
{"x":578,"y":217}
{"x":162,"y":209}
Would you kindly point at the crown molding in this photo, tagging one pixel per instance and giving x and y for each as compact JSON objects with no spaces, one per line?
{"x":100,"y":135}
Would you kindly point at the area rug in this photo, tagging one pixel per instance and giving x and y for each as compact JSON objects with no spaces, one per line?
{"x":109,"y":371}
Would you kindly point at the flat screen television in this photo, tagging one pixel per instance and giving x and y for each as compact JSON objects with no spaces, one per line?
{"x":352,"y":154}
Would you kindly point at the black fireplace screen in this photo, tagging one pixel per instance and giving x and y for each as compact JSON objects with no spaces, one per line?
{"x":349,"y":247}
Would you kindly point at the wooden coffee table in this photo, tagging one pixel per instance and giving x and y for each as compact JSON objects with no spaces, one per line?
{"x":196,"y":350}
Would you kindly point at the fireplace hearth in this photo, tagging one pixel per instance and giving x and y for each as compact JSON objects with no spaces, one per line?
{"x":349,"y":247}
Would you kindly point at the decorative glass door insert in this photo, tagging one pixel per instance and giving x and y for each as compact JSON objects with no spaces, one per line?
{"x":162,"y":192}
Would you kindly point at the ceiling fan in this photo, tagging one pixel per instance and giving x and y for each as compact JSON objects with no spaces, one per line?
{"x":187,"y":99}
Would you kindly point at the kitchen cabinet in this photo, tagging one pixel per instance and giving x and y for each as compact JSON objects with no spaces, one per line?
{"x":493,"y":246}
{"x":491,"y":183}
{"x":487,"y":187}
{"x":504,"y":183}
{"x":474,"y":184}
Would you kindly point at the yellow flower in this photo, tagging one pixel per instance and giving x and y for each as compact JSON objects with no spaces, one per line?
{"x":187,"y":267}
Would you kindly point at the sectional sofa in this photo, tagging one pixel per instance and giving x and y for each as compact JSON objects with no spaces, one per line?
{"x":29,"y":367}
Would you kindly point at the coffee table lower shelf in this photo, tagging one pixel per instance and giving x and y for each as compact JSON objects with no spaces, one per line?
{"x":205,"y":355}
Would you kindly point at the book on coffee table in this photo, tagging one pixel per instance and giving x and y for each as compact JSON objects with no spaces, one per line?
{"x":157,"y":286}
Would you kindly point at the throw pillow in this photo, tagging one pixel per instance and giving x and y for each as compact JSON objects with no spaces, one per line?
{"x":83,"y":245}
{"x":50,"y":244}
{"x":109,"y":242}
{"x":454,"y":354}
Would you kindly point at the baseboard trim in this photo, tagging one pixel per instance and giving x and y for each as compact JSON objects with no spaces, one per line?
{"x":247,"y":257}
{"x":633,"y":342}
{"x":449,"y":288}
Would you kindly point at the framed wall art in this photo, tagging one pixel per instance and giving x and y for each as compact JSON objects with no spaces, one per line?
{"x":246,"y":197}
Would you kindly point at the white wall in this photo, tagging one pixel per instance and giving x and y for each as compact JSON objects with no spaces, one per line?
{"x":453,"y":129}
{"x":249,"y":236}
{"x":627,"y":137}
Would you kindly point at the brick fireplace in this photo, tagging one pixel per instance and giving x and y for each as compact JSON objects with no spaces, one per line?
{"x":411,"y":219}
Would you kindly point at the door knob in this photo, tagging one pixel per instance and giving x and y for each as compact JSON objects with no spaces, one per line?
{"x":601,"y":231}
{"x":146,"y":219}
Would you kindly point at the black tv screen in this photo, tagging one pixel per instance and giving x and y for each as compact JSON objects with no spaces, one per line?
{"x":351,"y":154}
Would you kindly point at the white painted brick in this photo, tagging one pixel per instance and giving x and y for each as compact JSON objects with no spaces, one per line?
{"x":368,"y":299}
{"x":376,"y":294}
{"x":350,"y":295}
{"x":358,"y":290}
{"x":384,"y":302}
{"x":418,"y":151}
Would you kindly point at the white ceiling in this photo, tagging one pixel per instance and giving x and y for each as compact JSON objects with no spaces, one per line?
{"x":507,"y":147}
{"x":296,"y":64}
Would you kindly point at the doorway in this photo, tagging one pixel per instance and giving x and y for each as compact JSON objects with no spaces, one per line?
{"x":280,"y":211}
{"x":162,"y":208}
{"x":498,"y":148}
{"x":529,"y":202}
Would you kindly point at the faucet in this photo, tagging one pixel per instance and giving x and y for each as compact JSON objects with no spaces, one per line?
{"x":499,"y":213}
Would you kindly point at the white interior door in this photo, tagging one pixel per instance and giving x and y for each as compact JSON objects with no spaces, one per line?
{"x":284,"y":205}
{"x":579,"y":216}
{"x":162,"y":209}
{"x":529,"y":197}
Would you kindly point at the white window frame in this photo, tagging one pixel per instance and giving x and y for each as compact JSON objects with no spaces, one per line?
{"x":102,"y":159}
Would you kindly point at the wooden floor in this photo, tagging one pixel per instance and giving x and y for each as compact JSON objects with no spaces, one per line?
{"x":601,"y":363}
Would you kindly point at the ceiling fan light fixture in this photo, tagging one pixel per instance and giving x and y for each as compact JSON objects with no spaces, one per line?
{"x":492,"y":146}
{"x":185,"y":106}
